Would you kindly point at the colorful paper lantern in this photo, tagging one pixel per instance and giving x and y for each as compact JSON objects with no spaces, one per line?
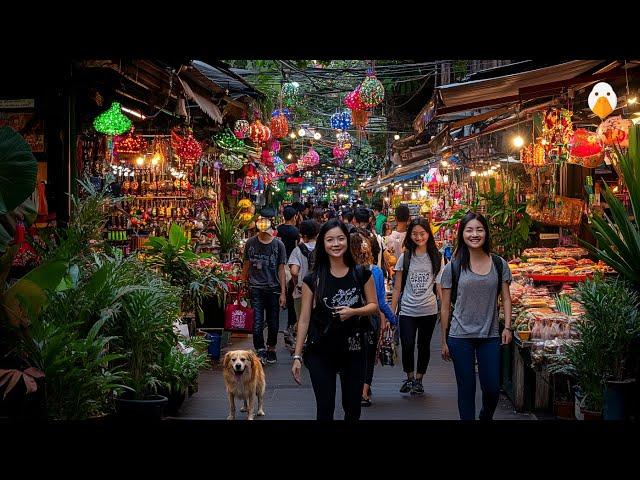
{"x":311,"y":158}
{"x":585,"y":149}
{"x":279,"y":126}
{"x":341,"y":120}
{"x":258,"y":132}
{"x":344,"y":140}
{"x":231,"y":162}
{"x":112,"y":121}
{"x":289,"y":92}
{"x":278,"y":165}
{"x":614,"y":131}
{"x":352,"y":100}
{"x":188,"y":149}
{"x":339,"y":153}
{"x":241,"y":128}
{"x":281,"y":111}
{"x":129,"y":144}
{"x":371,"y":92}
{"x":275,"y":146}
{"x":267,"y":159}
{"x":291,"y":168}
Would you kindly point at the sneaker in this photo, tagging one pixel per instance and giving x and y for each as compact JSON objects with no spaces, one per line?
{"x":262,"y":356}
{"x":407,"y":386}
{"x":417,"y":389}
{"x":271,"y":356}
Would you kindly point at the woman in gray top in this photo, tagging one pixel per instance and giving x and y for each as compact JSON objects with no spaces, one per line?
{"x":478,"y":279}
{"x":414,"y":300}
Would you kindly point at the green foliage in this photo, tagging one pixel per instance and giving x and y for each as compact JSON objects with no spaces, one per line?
{"x":180,"y":370}
{"x":509,"y":222}
{"x":18,"y":170}
{"x":227,"y":230}
{"x":617,"y":235}
{"x":608,"y":330}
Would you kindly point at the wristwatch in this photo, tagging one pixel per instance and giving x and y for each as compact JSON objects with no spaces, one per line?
{"x":298,"y":357}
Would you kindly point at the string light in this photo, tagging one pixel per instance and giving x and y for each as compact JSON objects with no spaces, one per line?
{"x":302,"y":132}
{"x":292,"y":135}
{"x":129,"y":144}
{"x":317,"y":136}
{"x":112,"y":121}
{"x":140,"y":161}
{"x":473,"y":173}
{"x":518,"y":141}
{"x":396,"y":137}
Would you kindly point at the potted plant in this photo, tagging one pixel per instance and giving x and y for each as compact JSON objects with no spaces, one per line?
{"x":227,"y":229}
{"x":604,"y":355}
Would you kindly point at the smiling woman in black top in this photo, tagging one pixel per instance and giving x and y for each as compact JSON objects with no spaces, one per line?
{"x":337,"y":298}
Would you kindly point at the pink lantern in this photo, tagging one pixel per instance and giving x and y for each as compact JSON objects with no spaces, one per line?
{"x":353,"y":101}
{"x":275,"y":146}
{"x":267,"y":159}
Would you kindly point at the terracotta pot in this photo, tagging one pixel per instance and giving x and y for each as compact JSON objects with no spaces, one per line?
{"x":590,"y":415}
{"x":564,"y":410}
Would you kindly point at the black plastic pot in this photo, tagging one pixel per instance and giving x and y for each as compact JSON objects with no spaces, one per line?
{"x":618,"y":400}
{"x":149,"y":409}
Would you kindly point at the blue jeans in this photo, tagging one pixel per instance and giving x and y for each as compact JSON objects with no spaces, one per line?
{"x":262,"y":300}
{"x":463,"y":353}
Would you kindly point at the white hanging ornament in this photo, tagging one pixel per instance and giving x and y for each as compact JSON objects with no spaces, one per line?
{"x":602,"y":100}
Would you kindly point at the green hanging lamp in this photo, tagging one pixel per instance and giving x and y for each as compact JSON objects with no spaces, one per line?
{"x":112,"y":121}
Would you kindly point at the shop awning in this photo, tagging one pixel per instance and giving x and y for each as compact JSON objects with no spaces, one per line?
{"x":400,"y":174}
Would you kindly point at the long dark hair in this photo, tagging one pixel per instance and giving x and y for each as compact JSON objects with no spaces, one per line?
{"x":462,"y":250}
{"x":321,"y":263}
{"x":432,"y":250}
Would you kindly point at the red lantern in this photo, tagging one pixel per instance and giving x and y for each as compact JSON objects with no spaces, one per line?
{"x":291,"y":168}
{"x":258,"y":132}
{"x":189,"y":150}
{"x":585,"y":149}
{"x":129,"y":144}
{"x":353,"y":101}
{"x":267,"y":159}
{"x":279,"y":126}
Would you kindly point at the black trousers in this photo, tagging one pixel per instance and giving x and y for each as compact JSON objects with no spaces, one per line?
{"x":372,"y":346}
{"x":291,"y":311}
{"x":323,"y":366}
{"x":423,"y":326}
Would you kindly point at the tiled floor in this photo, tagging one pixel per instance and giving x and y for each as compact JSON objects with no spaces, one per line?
{"x":285,"y":400}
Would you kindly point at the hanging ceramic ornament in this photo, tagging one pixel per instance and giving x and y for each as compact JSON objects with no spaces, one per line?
{"x":129,"y":144}
{"x":189,"y":150}
{"x":278,"y":165}
{"x":602,"y":100}
{"x":275,"y":146}
{"x":281,"y":111}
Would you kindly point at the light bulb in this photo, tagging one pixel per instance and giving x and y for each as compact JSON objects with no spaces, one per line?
{"x":140,"y":161}
{"x":396,"y":137}
{"x":301,"y":132}
{"x":445,"y":178}
{"x":386,"y":199}
{"x":317,"y":136}
{"x":292,"y":135}
{"x":155,"y":160}
{"x":518,"y":141}
{"x":413,"y":196}
{"x":422,"y":193}
{"x":544,"y":141}
{"x":473,"y":173}
{"x":289,"y":157}
{"x":632,"y":100}
{"x":444,"y":163}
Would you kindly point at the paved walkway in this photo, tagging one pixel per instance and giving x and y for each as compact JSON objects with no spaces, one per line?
{"x":285,"y":400}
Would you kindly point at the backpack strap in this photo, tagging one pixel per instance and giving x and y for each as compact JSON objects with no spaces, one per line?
{"x":497,"y":262}
{"x":304,"y":250}
{"x":455,"y":277}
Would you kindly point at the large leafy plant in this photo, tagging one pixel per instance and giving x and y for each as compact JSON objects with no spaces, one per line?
{"x":617,"y":234}
{"x":227,"y":229}
{"x":608,"y":330}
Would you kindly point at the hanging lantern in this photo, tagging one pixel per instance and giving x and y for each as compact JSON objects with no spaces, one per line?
{"x":281,"y":111}
{"x":353,"y":101}
{"x":614,"y":131}
{"x":291,"y":168}
{"x":371,"y":92}
{"x":129,"y":144}
{"x":344,"y":140}
{"x":258,"y":132}
{"x":585,"y":149}
{"x":112,"y":121}
{"x":279,"y":126}
{"x":360,"y":118}
{"x":275,"y":146}
{"x":289,"y":93}
{"x":231,"y":162}
{"x":278,"y":165}
{"x":240,"y":128}
{"x":266,"y":157}
{"x":228,"y":141}
{"x":189,"y":150}
{"x":311,"y":158}
{"x":339,"y":153}
{"x":341,"y":120}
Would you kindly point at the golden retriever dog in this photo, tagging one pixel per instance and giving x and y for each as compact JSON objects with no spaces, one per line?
{"x":244,"y":378}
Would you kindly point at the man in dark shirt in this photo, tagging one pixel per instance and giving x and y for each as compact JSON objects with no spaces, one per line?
{"x":289,"y":235}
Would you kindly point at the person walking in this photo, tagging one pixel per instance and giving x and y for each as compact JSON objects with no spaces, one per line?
{"x":289,"y":234}
{"x":300,"y":263}
{"x":414,"y":299}
{"x":363,"y":218}
{"x":395,"y":241}
{"x":263,"y":271}
{"x":337,"y":297}
{"x":380,"y":218}
{"x":362,"y":253}
{"x":474,"y":281}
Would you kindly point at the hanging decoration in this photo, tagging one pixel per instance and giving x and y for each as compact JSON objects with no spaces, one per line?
{"x":266,"y":157}
{"x":371,"y":92}
{"x":289,"y":93}
{"x":352,"y":100}
{"x":258,"y":132}
{"x":241,"y":128}
{"x":344,"y":140}
{"x":585,"y":150}
{"x":339,"y":153}
{"x":614,"y":131}
{"x":231,"y":161}
{"x":341,"y":120}
{"x":279,"y":126}
{"x":278,"y":165}
{"x":602,"y":100}
{"x":281,"y":111}
{"x":129,"y":144}
{"x":112,"y":121}
{"x":229,"y":141}
{"x":188,"y":149}
{"x":275,"y":146}
{"x":360,"y":118}
{"x":291,"y":168}
{"x":310,"y":159}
